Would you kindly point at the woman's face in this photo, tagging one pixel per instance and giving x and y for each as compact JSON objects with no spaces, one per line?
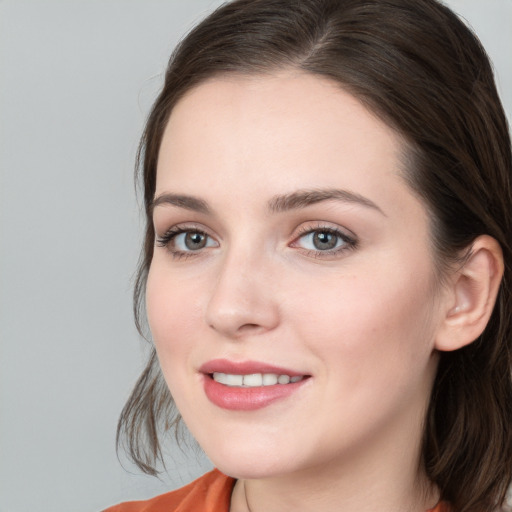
{"x":289,"y":247}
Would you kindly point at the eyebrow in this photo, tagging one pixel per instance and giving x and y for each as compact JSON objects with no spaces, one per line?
{"x":303,"y":198}
{"x":280,"y":203}
{"x":182,"y":201}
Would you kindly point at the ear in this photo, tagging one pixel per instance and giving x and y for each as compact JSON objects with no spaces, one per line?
{"x":471,"y":295}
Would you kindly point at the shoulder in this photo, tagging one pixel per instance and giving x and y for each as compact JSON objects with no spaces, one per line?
{"x":209,"y":493}
{"x":441,"y":507}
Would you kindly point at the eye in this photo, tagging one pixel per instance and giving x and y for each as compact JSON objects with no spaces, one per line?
{"x":182,"y":241}
{"x":191,"y":241}
{"x":324,"y":241}
{"x":321,"y":240}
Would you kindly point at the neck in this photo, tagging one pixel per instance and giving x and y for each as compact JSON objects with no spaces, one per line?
{"x":331,"y":495}
{"x":333,"y":492}
{"x":392,"y":482}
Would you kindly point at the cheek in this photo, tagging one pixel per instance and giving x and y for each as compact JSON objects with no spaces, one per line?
{"x":173,"y":312}
{"x":174,"y":320}
{"x":372,"y":324}
{"x":372,"y":347}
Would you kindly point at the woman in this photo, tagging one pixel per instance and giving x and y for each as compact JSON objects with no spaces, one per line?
{"x":326,"y":266}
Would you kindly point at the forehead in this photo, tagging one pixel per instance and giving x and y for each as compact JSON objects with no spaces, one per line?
{"x":291,"y":107}
{"x":274,"y":134}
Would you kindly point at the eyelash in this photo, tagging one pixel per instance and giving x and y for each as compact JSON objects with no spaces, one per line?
{"x":170,"y":235}
{"x":349,"y":242}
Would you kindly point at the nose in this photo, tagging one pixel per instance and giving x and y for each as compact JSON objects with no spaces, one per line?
{"x":242,"y":302}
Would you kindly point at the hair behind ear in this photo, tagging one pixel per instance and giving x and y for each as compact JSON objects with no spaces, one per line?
{"x":472,"y":395}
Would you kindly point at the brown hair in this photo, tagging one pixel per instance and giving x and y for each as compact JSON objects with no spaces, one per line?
{"x":420,"y":69}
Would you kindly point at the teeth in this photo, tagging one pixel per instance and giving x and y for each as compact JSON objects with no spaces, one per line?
{"x":254,"y":379}
{"x":234,"y":380}
{"x":269,"y":379}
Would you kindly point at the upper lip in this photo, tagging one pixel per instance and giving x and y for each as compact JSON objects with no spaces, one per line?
{"x":245,"y":368}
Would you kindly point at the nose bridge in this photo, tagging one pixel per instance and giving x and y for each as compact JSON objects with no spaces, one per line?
{"x":241,"y":300}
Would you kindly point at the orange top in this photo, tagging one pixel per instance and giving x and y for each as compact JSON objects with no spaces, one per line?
{"x":210,"y":493}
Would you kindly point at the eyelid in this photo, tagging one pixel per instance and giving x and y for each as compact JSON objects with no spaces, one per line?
{"x":308,"y":227}
{"x":175,"y":230}
{"x":348,"y":237}
{"x":179,"y":228}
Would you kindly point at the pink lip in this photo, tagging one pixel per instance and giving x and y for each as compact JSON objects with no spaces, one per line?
{"x":245,"y":368}
{"x":246,"y":399}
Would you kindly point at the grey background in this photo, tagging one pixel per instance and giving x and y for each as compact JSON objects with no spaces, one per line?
{"x":77,"y":79}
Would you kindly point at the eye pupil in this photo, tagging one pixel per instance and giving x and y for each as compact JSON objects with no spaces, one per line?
{"x":323,"y":240}
{"x":195,"y":241}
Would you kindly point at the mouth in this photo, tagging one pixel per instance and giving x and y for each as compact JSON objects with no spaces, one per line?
{"x":247,"y":386}
{"x":254,"y":380}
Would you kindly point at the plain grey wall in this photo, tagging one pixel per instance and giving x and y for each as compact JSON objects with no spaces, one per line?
{"x":77,"y":79}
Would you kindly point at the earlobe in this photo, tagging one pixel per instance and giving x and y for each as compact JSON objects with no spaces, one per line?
{"x":472,"y":295}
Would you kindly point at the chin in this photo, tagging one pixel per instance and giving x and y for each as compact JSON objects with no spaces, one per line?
{"x":250,"y":470}
{"x":252,"y":460}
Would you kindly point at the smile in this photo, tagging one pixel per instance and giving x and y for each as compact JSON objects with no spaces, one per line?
{"x":254,"y":380}
{"x":249,"y":385}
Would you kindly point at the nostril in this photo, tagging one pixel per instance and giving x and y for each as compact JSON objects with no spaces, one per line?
{"x":241,"y":328}
{"x":248,"y":327}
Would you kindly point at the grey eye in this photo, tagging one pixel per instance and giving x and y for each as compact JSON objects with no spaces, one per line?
{"x":194,"y":241}
{"x":188,"y":241}
{"x":322,"y":240}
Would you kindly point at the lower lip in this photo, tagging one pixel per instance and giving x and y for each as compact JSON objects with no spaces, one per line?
{"x":247,"y":398}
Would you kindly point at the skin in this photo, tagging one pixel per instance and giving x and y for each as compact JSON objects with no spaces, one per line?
{"x":363,"y":321}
